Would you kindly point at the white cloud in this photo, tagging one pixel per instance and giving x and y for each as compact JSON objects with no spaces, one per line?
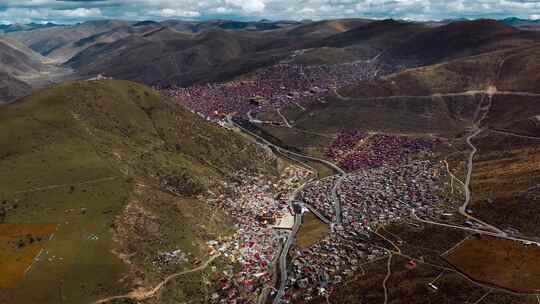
{"x":306,"y":11}
{"x":222,"y":10}
{"x":25,"y":15}
{"x":250,"y":6}
{"x":80,"y":13}
{"x":169,"y":12}
{"x":38,"y":10}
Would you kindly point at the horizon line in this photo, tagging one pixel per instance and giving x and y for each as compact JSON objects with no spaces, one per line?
{"x":244,"y":19}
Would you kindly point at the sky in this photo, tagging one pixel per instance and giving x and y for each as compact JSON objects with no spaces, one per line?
{"x":72,"y":11}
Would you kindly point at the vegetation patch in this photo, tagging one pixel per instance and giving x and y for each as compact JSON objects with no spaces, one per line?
{"x":19,"y":245}
{"x":312,"y":231}
{"x":505,"y":183}
{"x":504,"y":263}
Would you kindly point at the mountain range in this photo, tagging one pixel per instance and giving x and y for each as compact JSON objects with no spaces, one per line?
{"x":183,"y":52}
{"x":139,"y":151}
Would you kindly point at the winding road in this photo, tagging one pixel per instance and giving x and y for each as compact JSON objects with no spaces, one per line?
{"x":336,"y":199}
{"x":459,"y":94}
{"x":285,"y":120}
{"x":490,"y":230}
{"x":475,"y":131}
{"x":143,"y":294}
{"x":283,"y":150}
{"x":298,"y":217}
{"x":467,"y":186}
{"x":514,"y":134}
{"x":474,"y":230}
{"x":283,"y":258}
{"x":50,"y":187}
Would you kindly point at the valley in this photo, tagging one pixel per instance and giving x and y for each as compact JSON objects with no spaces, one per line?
{"x":337,"y":161}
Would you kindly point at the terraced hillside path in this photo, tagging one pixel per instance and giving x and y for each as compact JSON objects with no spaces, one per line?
{"x":285,"y":120}
{"x":435,"y":95}
{"x":50,"y":187}
{"x":480,"y":114}
{"x":387,"y":277}
{"x":477,"y":231}
{"x":504,"y":132}
{"x":143,"y":294}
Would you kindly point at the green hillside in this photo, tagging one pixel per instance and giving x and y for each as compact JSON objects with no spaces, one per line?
{"x":104,"y":161}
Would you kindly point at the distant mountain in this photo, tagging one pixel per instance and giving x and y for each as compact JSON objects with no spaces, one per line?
{"x":432,"y":23}
{"x":21,"y":68}
{"x":402,"y":43}
{"x":61,"y":43}
{"x":164,"y":56}
{"x":17,"y":60}
{"x":457,"y":40}
{"x":525,"y":24}
{"x":17,"y":45}
{"x":326,"y":28}
{"x":168,"y":56}
{"x":176,"y":52}
{"x":12,"y":88}
{"x":17,"y":27}
{"x":371,"y":32}
{"x":196,"y":26}
{"x":67,"y":51}
{"x":371,"y":38}
{"x":47,"y":40}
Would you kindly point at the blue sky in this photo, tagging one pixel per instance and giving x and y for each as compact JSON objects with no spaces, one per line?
{"x":70,"y":11}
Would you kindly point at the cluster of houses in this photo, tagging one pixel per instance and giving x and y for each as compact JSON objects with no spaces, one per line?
{"x":383,"y":186}
{"x":369,"y":198}
{"x":271,"y":87}
{"x":263,"y":215}
{"x":261,"y":212}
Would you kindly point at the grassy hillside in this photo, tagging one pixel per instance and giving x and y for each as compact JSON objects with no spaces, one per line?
{"x":418,"y":44}
{"x":505,"y":181}
{"x":370,"y":39}
{"x":104,"y":161}
{"x":459,"y":40}
{"x":168,"y":56}
{"x":366,"y":105}
{"x":438,"y":98}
